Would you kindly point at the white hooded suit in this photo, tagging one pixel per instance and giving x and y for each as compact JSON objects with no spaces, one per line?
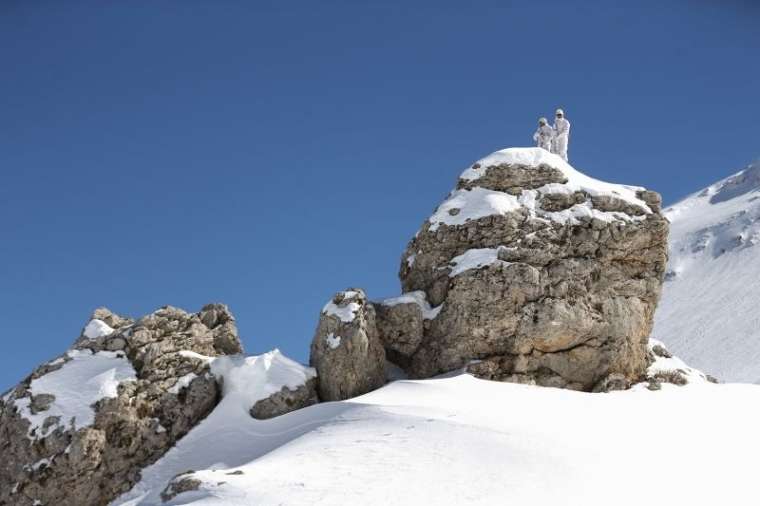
{"x":561,"y":137}
{"x":544,"y":137}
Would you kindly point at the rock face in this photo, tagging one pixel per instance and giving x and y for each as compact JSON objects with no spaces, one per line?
{"x":346,"y":350}
{"x":79,"y":428}
{"x":401,"y":323}
{"x":538,"y":274}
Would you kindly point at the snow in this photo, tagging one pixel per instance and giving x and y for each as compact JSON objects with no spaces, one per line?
{"x":474,"y":259}
{"x":182,"y":383}
{"x":472,"y":204}
{"x":229,"y":436}
{"x":708,"y":312}
{"x":332,"y":341}
{"x":459,"y":440}
{"x":97,"y":328}
{"x":80,"y":383}
{"x":37,"y":465}
{"x":464,"y":205}
{"x":346,"y":313}
{"x":417,"y":297}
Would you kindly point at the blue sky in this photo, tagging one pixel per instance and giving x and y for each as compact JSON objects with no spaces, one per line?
{"x":267,"y":154}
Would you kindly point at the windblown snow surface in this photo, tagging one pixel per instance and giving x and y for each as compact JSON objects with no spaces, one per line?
{"x":709,"y":313}
{"x":458,"y":440}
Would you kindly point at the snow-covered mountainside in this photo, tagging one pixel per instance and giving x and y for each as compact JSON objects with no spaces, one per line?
{"x":709,"y":314}
{"x":461,"y":440}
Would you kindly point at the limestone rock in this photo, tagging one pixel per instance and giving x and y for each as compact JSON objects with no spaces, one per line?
{"x":179,"y":484}
{"x":286,"y":400}
{"x":401,"y":323}
{"x":346,"y":350}
{"x":542,"y":275}
{"x":67,"y":442}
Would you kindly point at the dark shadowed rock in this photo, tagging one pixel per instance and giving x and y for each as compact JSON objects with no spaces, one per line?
{"x":286,"y":400}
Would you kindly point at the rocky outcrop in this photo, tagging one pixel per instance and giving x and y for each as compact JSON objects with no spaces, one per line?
{"x":346,"y":350}
{"x":286,"y":400}
{"x":528,"y":272}
{"x":541,"y":275}
{"x":79,"y":429}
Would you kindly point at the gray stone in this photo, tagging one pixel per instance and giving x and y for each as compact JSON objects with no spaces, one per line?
{"x":41,"y":402}
{"x":400,"y":328}
{"x":286,"y":400}
{"x":180,"y":484}
{"x":346,"y":350}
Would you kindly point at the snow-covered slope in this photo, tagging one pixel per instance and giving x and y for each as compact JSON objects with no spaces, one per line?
{"x":459,"y":440}
{"x":709,"y":314}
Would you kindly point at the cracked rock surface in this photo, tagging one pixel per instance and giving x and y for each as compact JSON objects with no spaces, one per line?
{"x":346,"y":350}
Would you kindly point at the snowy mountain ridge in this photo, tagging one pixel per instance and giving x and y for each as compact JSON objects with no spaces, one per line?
{"x":708,"y":311}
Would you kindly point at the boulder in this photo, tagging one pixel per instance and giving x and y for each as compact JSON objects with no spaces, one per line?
{"x":346,"y":350}
{"x":179,"y":485}
{"x":541,"y":275}
{"x":80,"y":428}
{"x":401,"y":323}
{"x":286,"y":400}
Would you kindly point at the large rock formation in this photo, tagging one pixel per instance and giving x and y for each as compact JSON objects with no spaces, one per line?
{"x":79,"y":428}
{"x":538,"y":274}
{"x":529,"y":272}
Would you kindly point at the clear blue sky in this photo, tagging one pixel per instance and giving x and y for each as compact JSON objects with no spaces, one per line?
{"x":267,"y":154}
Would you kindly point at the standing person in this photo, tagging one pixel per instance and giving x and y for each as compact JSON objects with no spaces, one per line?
{"x":561,"y":134}
{"x":544,"y":135}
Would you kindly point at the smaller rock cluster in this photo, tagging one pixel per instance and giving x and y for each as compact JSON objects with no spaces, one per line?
{"x":157,"y":386}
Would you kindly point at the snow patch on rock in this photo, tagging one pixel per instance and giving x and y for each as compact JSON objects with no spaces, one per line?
{"x":332,"y":341}
{"x":97,"y":328}
{"x":465,"y":205}
{"x":80,"y":383}
{"x":345,"y":312}
{"x":182,"y":383}
{"x":475,"y":259}
{"x":576,"y":181}
{"x":416,"y":297}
